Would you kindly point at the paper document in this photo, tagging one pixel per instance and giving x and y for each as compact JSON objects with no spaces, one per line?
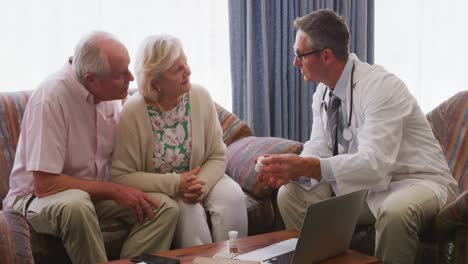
{"x":270,"y":251}
{"x":205,"y":260}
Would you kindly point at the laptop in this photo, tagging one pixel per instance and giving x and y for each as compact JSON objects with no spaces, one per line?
{"x":326,"y":230}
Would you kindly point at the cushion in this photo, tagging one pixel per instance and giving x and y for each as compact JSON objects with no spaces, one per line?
{"x":242,"y":153}
{"x":11,"y":113}
{"x":233,"y":128}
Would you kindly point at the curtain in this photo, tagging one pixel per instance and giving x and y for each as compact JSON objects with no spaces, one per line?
{"x":268,"y":91}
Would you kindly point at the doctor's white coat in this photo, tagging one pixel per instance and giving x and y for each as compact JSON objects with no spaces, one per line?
{"x":393,"y":145}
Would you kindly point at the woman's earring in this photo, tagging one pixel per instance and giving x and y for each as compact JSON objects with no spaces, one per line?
{"x":153,"y":84}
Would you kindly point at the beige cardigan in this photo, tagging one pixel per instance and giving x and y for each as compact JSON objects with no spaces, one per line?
{"x":132,"y":160}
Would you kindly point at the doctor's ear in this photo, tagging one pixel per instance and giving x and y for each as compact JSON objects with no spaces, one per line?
{"x":328,"y":55}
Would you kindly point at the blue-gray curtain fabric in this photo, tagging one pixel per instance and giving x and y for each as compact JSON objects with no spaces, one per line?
{"x":268,"y":91}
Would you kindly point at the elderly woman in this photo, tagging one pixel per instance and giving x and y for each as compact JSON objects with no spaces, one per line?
{"x":169,"y":140}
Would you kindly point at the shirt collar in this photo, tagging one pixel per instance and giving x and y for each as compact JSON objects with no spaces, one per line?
{"x":78,"y":89}
{"x":343,"y":82}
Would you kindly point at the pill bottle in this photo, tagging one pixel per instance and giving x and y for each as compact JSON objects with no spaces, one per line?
{"x":259,"y":164}
{"x":233,"y":241}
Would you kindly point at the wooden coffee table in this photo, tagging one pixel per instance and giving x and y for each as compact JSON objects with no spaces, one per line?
{"x":247,"y":244}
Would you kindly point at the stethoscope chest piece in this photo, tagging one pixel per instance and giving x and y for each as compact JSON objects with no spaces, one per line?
{"x":347,"y":134}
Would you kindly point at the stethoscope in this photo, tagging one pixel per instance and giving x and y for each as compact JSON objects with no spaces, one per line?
{"x":347,"y":133}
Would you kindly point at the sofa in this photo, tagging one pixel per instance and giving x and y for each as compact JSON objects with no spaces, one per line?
{"x":447,"y":242}
{"x":14,"y":238}
{"x":263,"y":215}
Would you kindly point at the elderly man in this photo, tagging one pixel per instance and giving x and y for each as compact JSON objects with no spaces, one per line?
{"x":368,"y":133}
{"x":60,"y":178}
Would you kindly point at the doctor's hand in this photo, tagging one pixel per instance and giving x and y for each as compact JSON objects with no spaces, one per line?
{"x":279,"y":169}
{"x":274,"y":170}
{"x":271,"y":181}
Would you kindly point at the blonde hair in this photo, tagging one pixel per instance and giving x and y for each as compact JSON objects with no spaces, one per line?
{"x":156,"y":54}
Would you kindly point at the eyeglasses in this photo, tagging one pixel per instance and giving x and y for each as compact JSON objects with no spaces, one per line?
{"x":300,"y":56}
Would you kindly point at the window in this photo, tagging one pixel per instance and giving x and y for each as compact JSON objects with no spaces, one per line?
{"x":423,"y":42}
{"x":38,"y":36}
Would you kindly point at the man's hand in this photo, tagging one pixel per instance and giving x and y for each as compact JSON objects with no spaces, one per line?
{"x":138,"y":202}
{"x":190,"y":187}
{"x":279,"y":169}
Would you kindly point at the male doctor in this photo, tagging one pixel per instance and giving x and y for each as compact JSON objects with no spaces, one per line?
{"x":368,"y":133}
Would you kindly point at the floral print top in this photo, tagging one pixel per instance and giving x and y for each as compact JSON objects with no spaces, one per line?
{"x":173,"y":139}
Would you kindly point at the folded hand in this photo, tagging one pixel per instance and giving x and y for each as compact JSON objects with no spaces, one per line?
{"x":190,"y":187}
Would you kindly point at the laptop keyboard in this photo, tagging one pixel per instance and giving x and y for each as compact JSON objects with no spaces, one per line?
{"x":280,"y":259}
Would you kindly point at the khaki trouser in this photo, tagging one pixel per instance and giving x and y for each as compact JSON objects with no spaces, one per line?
{"x":402,"y":216}
{"x":72,"y":216}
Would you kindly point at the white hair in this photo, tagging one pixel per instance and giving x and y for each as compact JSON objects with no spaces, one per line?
{"x":156,"y":54}
{"x":89,"y":56}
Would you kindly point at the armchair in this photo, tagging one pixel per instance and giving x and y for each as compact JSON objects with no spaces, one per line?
{"x":447,"y":240}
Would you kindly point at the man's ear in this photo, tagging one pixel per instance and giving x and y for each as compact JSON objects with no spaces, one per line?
{"x":328,"y":56}
{"x":89,"y":77}
{"x":90,"y":82}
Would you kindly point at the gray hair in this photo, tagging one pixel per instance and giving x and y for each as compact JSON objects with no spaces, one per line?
{"x":89,"y":56}
{"x":156,"y":54}
{"x":326,"y":29}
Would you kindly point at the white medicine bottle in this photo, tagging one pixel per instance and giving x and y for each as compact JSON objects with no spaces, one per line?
{"x":233,"y":241}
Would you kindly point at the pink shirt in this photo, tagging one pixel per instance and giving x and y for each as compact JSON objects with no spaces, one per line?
{"x":63,"y":132}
